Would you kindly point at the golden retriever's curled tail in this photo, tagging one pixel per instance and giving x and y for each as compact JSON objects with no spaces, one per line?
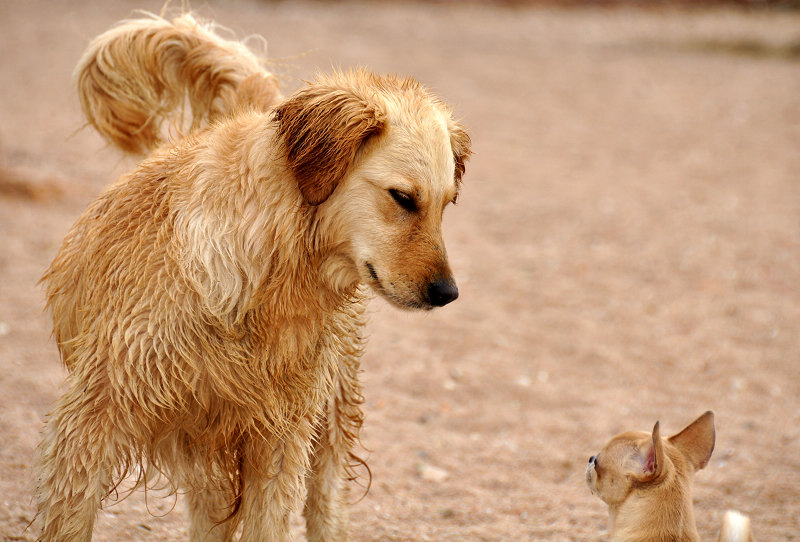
{"x":143,"y":71}
{"x":735,"y":528}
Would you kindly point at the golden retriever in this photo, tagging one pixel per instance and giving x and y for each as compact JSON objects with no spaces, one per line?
{"x":210,"y":305}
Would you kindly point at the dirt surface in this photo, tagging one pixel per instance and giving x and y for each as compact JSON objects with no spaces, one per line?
{"x":627,"y":246}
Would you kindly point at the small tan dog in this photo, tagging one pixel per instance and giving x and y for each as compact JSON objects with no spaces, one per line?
{"x":646,"y":481}
{"x":209,"y":305}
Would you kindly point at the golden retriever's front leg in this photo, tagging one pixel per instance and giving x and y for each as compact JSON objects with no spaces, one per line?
{"x":326,"y":509}
{"x":326,"y":503}
{"x":207,"y":508}
{"x":273,"y":476}
{"x":210,"y":502}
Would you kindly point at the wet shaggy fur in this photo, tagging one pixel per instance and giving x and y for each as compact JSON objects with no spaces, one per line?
{"x":138,"y":74}
{"x":210,"y":305}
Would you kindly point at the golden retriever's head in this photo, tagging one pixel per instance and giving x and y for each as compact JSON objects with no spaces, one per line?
{"x":381,"y":158}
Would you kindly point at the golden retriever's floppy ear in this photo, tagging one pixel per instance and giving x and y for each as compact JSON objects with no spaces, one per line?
{"x":696,"y":441}
{"x":321,"y":128}
{"x":461,"y":143}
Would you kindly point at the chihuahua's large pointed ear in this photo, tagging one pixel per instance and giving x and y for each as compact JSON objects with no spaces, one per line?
{"x":696,"y":441}
{"x":321,"y":129}
{"x":650,"y":458}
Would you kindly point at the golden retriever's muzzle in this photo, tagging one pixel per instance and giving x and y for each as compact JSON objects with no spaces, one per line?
{"x":420,"y":294}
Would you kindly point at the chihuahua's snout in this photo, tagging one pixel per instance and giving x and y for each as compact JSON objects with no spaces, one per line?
{"x":591,"y":459}
{"x":442,"y":291}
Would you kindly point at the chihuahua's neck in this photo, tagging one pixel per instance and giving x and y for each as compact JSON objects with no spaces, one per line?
{"x":660,"y":514}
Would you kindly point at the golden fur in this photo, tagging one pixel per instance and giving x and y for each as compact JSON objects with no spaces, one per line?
{"x":139,"y":73}
{"x":210,"y":305}
{"x":646,"y":481}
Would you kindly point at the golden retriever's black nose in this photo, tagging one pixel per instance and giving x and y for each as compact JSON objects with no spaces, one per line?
{"x":441,"y":292}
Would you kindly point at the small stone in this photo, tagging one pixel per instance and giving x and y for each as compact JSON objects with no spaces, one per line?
{"x":431,"y":473}
{"x":448,"y":513}
{"x":524,"y":381}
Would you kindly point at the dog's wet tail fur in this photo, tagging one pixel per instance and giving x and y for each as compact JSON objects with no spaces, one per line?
{"x":144,"y":72}
{"x":735,"y":528}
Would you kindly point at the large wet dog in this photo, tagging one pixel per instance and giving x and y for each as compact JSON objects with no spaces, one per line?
{"x":209,"y":305}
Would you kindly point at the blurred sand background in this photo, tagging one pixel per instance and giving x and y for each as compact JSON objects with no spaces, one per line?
{"x":627,"y":246}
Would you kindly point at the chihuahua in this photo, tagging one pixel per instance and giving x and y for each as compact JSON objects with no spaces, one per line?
{"x":646,"y":481}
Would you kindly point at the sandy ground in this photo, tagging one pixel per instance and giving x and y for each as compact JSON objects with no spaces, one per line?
{"x":627,"y":246}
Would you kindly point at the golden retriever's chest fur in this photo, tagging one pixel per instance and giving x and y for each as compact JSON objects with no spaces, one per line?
{"x":164,"y":355}
{"x":272,"y":378}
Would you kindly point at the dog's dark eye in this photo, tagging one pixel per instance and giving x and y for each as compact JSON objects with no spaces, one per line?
{"x":404,"y":200}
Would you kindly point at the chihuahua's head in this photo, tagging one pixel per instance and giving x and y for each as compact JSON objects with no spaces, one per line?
{"x":646,"y":479}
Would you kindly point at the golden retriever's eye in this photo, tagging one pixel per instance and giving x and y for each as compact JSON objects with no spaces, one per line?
{"x":406,"y":201}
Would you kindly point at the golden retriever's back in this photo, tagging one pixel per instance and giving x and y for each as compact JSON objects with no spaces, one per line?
{"x":91,"y":269}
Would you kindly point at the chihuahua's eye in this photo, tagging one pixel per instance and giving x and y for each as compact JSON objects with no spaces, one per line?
{"x":406,"y":201}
